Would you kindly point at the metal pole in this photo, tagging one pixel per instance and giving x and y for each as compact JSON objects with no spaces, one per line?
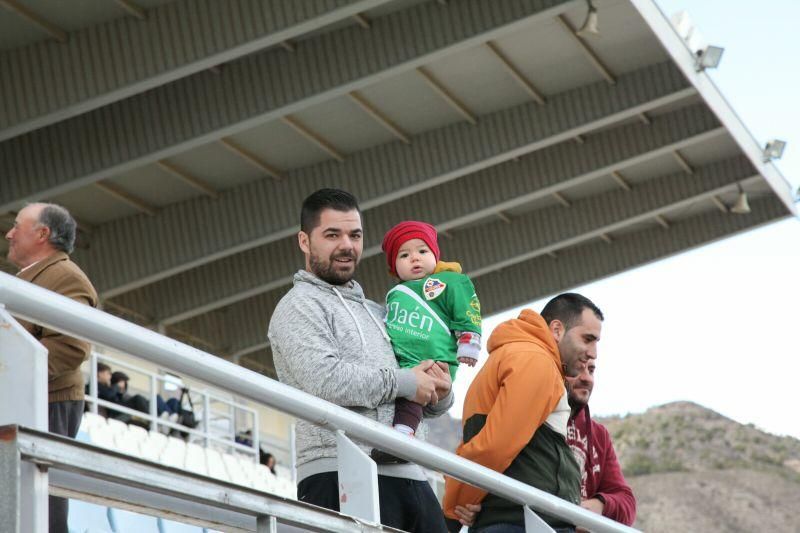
{"x":256,"y":437}
{"x":93,"y":380}
{"x":206,"y":415}
{"x":293,"y":450}
{"x":23,"y":401}
{"x":62,"y":314}
{"x":153,"y":403}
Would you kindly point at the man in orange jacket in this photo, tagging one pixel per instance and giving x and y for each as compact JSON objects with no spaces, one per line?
{"x":516,"y":410}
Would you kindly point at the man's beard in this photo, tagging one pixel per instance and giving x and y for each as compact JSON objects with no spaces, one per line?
{"x":326,"y":270}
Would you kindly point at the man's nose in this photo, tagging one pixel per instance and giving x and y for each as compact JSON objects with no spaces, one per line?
{"x":10,"y":233}
{"x":346,"y":243}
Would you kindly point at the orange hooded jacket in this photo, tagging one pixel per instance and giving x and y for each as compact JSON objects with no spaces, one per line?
{"x":519,"y":386}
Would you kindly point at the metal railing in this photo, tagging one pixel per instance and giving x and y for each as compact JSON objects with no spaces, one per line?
{"x":62,"y":314}
{"x":204,"y":433}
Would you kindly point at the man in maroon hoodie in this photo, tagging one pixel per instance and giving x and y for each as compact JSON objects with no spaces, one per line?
{"x":603,"y":487}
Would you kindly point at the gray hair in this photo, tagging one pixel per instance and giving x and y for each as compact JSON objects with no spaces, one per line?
{"x":62,"y":227}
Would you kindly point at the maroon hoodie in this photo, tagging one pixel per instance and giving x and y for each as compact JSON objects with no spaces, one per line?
{"x":602,"y":475}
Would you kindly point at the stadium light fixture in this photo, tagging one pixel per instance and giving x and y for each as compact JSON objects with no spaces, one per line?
{"x":589,"y":27}
{"x":709,"y":57}
{"x":774,"y":149}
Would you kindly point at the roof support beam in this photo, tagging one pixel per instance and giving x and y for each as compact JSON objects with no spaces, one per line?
{"x":561,"y":199}
{"x":126,"y":197}
{"x":501,"y":289}
{"x":518,"y":76}
{"x":315,"y":138}
{"x":682,"y":162}
{"x":192,"y":181}
{"x":718,"y":203}
{"x":267,"y":211}
{"x":289,"y":46}
{"x":132,"y":8}
{"x":362,"y":20}
{"x":34,"y":18}
{"x":175,"y":40}
{"x":446,"y":95}
{"x":663,"y":222}
{"x":588,"y":52}
{"x":621,"y":181}
{"x":592,"y":261}
{"x":498,"y":188}
{"x":252,"y":159}
{"x":379,"y":116}
{"x":199,"y":109}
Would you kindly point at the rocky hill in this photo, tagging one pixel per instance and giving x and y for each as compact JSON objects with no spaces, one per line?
{"x":693,"y":469}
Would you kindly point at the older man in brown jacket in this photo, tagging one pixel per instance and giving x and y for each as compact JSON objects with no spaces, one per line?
{"x":40,"y":242}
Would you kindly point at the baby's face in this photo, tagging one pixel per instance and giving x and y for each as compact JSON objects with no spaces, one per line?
{"x":414,"y":260}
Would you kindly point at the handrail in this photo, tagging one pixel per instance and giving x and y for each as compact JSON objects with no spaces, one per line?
{"x":60,"y":313}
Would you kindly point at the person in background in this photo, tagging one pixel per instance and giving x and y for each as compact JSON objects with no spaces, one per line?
{"x":268,"y":460}
{"x":516,"y":411}
{"x":603,"y":487}
{"x":39,"y":244}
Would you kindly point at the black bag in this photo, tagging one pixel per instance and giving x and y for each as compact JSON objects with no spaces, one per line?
{"x":185,"y":416}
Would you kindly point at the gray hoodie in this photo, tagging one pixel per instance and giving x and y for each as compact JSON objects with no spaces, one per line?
{"x":330,"y":341}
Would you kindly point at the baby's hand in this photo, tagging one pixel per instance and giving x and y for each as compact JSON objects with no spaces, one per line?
{"x":469,"y":361}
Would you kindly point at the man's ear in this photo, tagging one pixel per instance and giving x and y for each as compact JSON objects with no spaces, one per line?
{"x":557,"y":329}
{"x":44,"y":233}
{"x":302,"y":241}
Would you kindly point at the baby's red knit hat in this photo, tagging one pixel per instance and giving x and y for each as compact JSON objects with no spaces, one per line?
{"x":404,"y":232}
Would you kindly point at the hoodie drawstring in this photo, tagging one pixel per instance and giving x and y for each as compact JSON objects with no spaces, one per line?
{"x":377,"y":323}
{"x":355,"y":320}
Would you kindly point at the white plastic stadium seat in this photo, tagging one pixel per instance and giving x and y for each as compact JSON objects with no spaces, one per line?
{"x":174,"y":453}
{"x":264,"y":480}
{"x":124,"y":443}
{"x":152,"y":446}
{"x":90,"y":419}
{"x":117,"y":426}
{"x":196,"y":459}
{"x":137,"y":433}
{"x":101,"y":435}
{"x":216,"y":467}
{"x":235,"y":472}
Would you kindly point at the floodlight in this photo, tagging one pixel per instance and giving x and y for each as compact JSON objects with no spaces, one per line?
{"x":589,"y":26}
{"x":709,"y":57}
{"x":774,"y":149}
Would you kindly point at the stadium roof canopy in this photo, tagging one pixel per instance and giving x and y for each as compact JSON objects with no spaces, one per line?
{"x":184,"y":136}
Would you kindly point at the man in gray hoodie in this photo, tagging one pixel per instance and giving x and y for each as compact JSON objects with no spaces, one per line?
{"x":328,"y":340}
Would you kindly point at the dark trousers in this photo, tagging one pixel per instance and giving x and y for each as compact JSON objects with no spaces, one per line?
{"x":405,"y":504}
{"x":64,"y":418}
{"x":513,"y":528}
{"x":407,"y":413}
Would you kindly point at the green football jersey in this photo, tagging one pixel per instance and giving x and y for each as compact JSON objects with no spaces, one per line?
{"x":422,"y":316}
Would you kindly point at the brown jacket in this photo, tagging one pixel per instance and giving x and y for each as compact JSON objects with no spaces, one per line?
{"x":65,"y":354}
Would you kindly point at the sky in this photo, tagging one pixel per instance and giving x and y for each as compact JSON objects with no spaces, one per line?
{"x":718,"y":325}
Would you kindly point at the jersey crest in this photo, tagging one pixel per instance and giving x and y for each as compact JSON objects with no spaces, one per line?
{"x":433,"y":288}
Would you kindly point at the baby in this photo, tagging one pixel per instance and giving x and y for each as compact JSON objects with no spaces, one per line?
{"x":433,"y":313}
